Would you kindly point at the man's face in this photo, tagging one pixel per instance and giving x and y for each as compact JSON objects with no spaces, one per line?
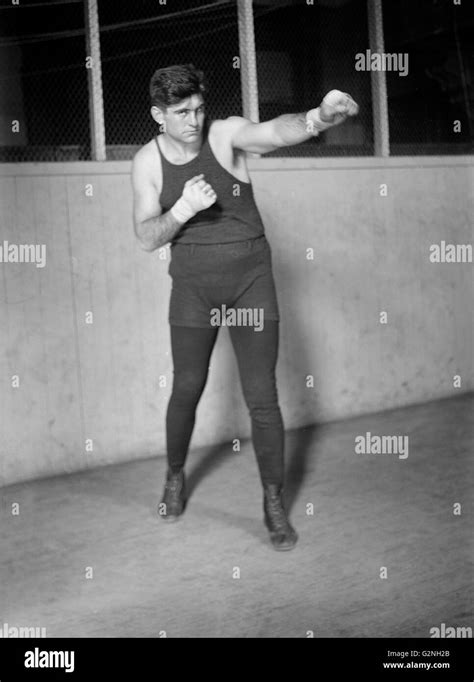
{"x":183,"y":121}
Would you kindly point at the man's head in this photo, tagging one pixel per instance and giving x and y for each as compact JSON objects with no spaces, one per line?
{"x":177,"y":101}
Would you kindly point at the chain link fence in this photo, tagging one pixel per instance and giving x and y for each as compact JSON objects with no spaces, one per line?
{"x":431,"y":102}
{"x":43,"y":81}
{"x":304,"y":49}
{"x":138,"y":38}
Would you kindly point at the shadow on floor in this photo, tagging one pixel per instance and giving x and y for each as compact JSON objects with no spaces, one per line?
{"x":212,"y":460}
{"x":301,"y":444}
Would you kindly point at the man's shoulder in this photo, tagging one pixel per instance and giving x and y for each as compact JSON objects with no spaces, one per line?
{"x":145,"y":154}
{"x":226,"y":127}
{"x":146,"y":166}
{"x":230,"y":121}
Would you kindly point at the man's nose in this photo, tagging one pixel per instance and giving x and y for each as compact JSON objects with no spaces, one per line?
{"x":193,"y":118}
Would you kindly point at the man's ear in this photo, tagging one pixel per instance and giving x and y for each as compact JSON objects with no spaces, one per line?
{"x":157,"y":114}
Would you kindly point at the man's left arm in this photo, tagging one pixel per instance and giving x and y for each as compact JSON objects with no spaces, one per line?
{"x":292,"y":129}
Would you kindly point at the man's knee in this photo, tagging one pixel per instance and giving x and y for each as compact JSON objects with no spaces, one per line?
{"x":188,"y":385}
{"x":261,"y":398}
{"x":260,"y":388}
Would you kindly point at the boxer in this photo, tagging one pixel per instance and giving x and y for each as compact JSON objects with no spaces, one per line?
{"x":192,"y":189}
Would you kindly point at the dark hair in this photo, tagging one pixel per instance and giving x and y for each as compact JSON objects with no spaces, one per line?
{"x":172,"y":84}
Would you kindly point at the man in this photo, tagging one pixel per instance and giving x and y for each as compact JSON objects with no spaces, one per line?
{"x":191,"y":187}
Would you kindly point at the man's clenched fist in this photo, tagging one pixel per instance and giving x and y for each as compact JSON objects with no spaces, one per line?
{"x":197,"y":196}
{"x":334,"y":109}
{"x":198,"y":193}
{"x":337,"y":106}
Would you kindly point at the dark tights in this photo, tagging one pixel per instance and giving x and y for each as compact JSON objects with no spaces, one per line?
{"x":256,"y":353}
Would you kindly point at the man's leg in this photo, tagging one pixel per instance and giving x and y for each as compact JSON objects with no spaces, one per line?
{"x":191,"y":349}
{"x":257,"y":353}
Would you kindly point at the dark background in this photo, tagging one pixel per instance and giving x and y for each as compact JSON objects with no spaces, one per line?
{"x":302,"y":52}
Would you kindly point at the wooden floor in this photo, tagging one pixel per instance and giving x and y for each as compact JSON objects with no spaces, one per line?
{"x":370,"y":511}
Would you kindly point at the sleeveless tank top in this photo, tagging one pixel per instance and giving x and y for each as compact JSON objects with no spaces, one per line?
{"x":233,"y":217}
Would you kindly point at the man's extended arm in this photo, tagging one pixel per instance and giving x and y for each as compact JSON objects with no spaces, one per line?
{"x":292,"y":129}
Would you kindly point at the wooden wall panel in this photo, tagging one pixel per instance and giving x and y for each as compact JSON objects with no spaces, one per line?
{"x":102,"y":381}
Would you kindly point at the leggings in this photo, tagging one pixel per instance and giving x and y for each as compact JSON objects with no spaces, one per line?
{"x":256,"y":354}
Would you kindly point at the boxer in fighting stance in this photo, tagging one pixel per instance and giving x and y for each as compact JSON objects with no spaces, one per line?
{"x":191,"y":187}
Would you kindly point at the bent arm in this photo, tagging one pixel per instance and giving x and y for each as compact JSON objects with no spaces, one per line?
{"x":158,"y":231}
{"x":153,"y":228}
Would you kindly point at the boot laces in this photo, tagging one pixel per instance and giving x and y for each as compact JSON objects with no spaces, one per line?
{"x":276,"y":510}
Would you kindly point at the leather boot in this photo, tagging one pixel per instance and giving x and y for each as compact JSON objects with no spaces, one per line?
{"x":282,"y":535}
{"x":174,"y":496}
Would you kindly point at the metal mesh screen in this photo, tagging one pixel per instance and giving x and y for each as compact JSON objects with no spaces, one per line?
{"x":138,"y":38}
{"x":303,"y":51}
{"x":431,"y":109}
{"x":43,"y":81}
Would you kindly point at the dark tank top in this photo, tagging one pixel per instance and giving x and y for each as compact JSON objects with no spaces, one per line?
{"x":233,"y":217}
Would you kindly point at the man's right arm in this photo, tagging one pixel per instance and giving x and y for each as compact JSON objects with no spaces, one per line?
{"x":153,"y":228}
{"x":157,"y":231}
